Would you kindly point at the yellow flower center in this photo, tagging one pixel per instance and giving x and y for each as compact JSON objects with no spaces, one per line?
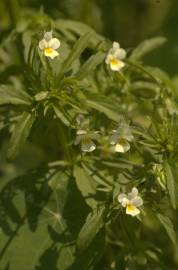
{"x":130,"y":207}
{"x":114,"y":62}
{"x":48,"y":50}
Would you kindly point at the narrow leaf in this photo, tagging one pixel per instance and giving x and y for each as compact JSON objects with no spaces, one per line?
{"x":92,"y":226}
{"x":90,"y":64}
{"x":77,"y":49}
{"x":20,"y":134}
{"x":167,"y":224}
{"x":85,"y":184}
{"x":60,"y":115}
{"x":147,"y":46}
{"x":170,"y":184}
{"x":12,"y":95}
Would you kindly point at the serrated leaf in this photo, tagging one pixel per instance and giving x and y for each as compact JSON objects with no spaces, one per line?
{"x":12,"y":95}
{"x":85,"y":184}
{"x":90,"y":65}
{"x":170,"y":184}
{"x":60,"y":115}
{"x":20,"y":134}
{"x":93,"y":224}
{"x":168,"y":225}
{"x":77,"y":50}
{"x":147,"y":46}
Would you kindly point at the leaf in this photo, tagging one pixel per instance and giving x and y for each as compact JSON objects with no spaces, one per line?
{"x":93,"y":224}
{"x":147,"y":46}
{"x":170,"y":184}
{"x":12,"y":95}
{"x":60,"y":115}
{"x":85,"y":184}
{"x":90,"y":65}
{"x":42,"y":251}
{"x":167,"y":224}
{"x":146,"y":90}
{"x":77,"y":49}
{"x":103,"y":108}
{"x":20,"y":134}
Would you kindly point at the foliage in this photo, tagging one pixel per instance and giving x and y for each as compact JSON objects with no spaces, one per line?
{"x":61,"y":211}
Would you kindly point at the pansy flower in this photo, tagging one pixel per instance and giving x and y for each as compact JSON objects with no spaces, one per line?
{"x":85,"y":138}
{"x":121,"y":137}
{"x":115,"y":57}
{"x":131,"y":201}
{"x":49,"y":45}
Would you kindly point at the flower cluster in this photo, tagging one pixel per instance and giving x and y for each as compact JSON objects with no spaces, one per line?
{"x":131,"y":202}
{"x":120,"y":139}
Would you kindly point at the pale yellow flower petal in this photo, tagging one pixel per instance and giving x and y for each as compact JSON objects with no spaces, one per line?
{"x":49,"y":52}
{"x":132,"y":210}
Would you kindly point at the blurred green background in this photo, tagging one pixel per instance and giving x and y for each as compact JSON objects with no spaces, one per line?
{"x":127,"y":21}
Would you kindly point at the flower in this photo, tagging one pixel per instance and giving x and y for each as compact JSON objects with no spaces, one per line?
{"x":131,"y":202}
{"x":121,"y":138}
{"x":85,"y":139}
{"x":49,"y":45}
{"x":115,"y":57}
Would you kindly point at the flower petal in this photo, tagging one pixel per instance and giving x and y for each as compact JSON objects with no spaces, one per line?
{"x":81,"y":132}
{"x":115,"y":45}
{"x":54,"y":43}
{"x":132,"y":210}
{"x":113,"y":139}
{"x":88,"y":147}
{"x":122,"y":198}
{"x":137,"y":201}
{"x":48,"y":36}
{"x":77,"y":140}
{"x":120,"y":53}
{"x":43,"y":44}
{"x":122,"y":147}
{"x":49,"y":52}
{"x":116,"y":64}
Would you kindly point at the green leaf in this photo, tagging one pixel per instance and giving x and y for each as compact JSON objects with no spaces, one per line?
{"x":147,"y":46}
{"x":90,"y":65}
{"x":85,"y":184}
{"x":12,"y":95}
{"x":104,"y":108}
{"x":93,"y":224}
{"x":167,"y":224}
{"x":44,"y":250}
{"x":170,"y":184}
{"x":60,"y":115}
{"x":20,"y":134}
{"x":77,"y":50}
{"x":146,"y":90}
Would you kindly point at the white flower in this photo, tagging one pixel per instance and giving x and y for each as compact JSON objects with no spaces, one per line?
{"x":49,"y":45}
{"x":85,"y":139}
{"x":131,"y":202}
{"x":121,"y":138}
{"x":115,"y":57}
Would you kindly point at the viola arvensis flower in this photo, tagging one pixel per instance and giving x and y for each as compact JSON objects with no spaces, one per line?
{"x":115,"y":57}
{"x":49,"y":45}
{"x":121,"y":137}
{"x":131,"y":202}
{"x":85,"y":138}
